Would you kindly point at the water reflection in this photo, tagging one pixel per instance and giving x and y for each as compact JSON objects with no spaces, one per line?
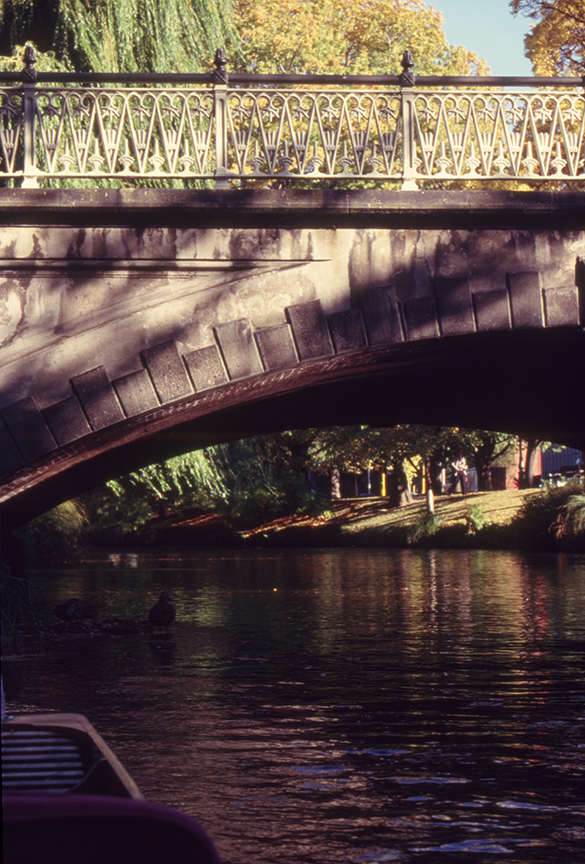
{"x":163,"y":647}
{"x":341,"y":705}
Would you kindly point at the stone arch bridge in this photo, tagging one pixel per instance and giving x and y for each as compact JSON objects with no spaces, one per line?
{"x":137,"y":324}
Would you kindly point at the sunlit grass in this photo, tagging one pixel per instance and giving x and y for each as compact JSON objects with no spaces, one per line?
{"x":370,"y":519}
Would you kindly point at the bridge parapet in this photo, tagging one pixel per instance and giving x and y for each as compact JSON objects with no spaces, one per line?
{"x":290,"y":129}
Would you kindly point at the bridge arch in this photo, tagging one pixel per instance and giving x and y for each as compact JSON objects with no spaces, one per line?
{"x":131,"y":333}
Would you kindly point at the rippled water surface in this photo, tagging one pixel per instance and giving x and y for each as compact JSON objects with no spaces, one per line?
{"x":339,"y":705}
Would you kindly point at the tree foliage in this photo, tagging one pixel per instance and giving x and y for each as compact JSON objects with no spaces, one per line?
{"x":406,"y":449}
{"x":53,"y":536}
{"x":556,"y":43}
{"x":345,"y":37}
{"x":353,"y":448}
{"x":265,"y":477}
{"x":554,"y":517}
{"x":485,"y":448}
{"x":244,"y":481}
{"x":124,"y":505}
{"x":119,"y":35}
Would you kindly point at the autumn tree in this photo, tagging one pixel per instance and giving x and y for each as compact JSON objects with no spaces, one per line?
{"x":354,"y":448}
{"x":345,"y":37}
{"x":556,"y":43}
{"x":484,"y":448}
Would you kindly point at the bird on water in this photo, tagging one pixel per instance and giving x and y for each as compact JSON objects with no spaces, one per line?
{"x":162,"y":613}
{"x":69,"y":610}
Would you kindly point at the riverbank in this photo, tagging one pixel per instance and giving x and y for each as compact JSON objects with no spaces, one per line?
{"x":459,"y":520}
{"x":549,"y":520}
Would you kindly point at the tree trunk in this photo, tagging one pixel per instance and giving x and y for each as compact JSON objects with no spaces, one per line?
{"x":399,"y":491}
{"x":335,"y":479}
{"x":430,"y":491}
{"x":433,"y":470}
{"x":527,"y":479}
{"x":484,"y":477}
{"x":520,"y":465}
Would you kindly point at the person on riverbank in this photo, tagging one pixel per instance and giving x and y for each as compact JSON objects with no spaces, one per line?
{"x":459,"y":473}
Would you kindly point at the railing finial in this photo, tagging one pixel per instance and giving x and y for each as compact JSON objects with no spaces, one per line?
{"x":407,"y":78}
{"x":29,"y":73}
{"x":220,"y":75}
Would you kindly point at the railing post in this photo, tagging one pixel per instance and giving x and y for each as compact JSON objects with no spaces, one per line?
{"x":220,"y":81}
{"x":407,"y":81}
{"x":29,"y":78}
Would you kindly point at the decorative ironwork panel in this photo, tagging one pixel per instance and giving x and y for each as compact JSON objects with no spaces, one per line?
{"x":11,"y":122}
{"x":314,"y":134}
{"x":500,"y":135}
{"x":127,"y":133}
{"x":309,"y":133}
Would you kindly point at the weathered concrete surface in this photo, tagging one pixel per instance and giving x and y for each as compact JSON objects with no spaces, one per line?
{"x":286,"y":208}
{"x":76,"y":298}
{"x":114,"y":313}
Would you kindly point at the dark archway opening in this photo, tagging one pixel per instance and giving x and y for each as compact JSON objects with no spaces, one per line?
{"x":525,"y":382}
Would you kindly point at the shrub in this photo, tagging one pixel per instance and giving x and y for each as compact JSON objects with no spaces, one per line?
{"x":475,"y":518}
{"x":424,"y":528}
{"x":569,"y":526}
{"x":550,"y":518}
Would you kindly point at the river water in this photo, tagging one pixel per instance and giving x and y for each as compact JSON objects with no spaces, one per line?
{"x":339,"y":705}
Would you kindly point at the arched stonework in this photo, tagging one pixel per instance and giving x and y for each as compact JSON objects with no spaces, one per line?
{"x":111,"y":333}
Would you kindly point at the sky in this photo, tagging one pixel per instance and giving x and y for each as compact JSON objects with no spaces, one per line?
{"x":488,"y":28}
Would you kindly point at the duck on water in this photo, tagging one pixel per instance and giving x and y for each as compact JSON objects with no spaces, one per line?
{"x":75,"y":618}
{"x":162,"y":613}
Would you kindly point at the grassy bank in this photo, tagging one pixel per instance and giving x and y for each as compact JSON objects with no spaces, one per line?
{"x":515,"y":519}
{"x":458,"y":520}
{"x":522,"y":519}
{"x":484,"y":518}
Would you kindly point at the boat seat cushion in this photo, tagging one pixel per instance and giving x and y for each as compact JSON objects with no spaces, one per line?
{"x":70,"y":829}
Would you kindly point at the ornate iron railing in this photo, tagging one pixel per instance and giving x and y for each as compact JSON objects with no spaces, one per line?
{"x":289,"y":128}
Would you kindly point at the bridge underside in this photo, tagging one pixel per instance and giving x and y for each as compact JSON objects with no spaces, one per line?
{"x":519,"y":385}
{"x":124,"y":345}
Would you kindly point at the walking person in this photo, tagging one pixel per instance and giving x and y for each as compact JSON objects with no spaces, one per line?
{"x":459,"y":473}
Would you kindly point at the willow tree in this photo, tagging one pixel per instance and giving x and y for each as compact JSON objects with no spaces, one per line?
{"x":119,"y":35}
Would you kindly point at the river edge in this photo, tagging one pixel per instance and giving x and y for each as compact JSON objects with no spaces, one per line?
{"x":492,"y":521}
{"x":488,"y":520}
